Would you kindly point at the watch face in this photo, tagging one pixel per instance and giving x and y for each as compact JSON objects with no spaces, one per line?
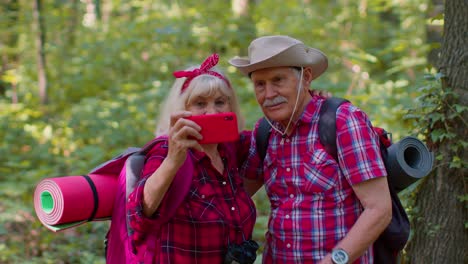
{"x":339,"y":256}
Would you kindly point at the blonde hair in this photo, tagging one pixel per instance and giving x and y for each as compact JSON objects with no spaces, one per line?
{"x":203,"y":85}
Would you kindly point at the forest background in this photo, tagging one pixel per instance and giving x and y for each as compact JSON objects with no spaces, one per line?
{"x":80,"y":81}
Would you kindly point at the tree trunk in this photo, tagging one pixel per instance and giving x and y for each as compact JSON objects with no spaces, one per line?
{"x":97,"y":8}
{"x":40,"y":41}
{"x":439,"y":229}
{"x":434,"y":31}
{"x":73,"y":23}
{"x":247,"y":31}
{"x":8,"y":42}
{"x":240,"y":7}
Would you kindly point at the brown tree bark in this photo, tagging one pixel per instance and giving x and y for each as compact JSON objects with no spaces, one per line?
{"x":40,"y":50}
{"x":440,"y":235}
{"x":434,"y":31}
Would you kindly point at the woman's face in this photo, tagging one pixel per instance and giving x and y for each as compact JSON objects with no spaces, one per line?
{"x":210,"y":104}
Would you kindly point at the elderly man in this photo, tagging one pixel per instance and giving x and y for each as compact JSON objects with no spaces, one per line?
{"x":322,"y":210}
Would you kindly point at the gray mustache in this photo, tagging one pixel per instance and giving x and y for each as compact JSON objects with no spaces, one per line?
{"x":277,"y":100}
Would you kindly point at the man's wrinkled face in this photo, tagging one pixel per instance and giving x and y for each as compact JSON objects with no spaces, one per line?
{"x":276,"y":91}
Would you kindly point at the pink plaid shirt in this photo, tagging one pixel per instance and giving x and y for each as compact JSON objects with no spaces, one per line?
{"x":312,"y":203}
{"x":217,"y":211}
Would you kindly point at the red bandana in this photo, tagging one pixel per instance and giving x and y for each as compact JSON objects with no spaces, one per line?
{"x":209,"y":63}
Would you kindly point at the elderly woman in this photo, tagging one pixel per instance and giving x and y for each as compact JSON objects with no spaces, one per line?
{"x":217,"y":216}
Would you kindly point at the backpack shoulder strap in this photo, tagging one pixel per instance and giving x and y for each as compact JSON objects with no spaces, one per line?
{"x":134,"y":164}
{"x":396,"y":234}
{"x":178,"y":190}
{"x":261,"y":138}
{"x":327,"y":124}
{"x":180,"y":184}
{"x":174,"y":197}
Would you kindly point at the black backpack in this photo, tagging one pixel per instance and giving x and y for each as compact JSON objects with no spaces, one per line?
{"x":393,"y":239}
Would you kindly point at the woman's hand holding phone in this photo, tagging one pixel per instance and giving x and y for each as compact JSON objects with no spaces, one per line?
{"x":183,"y":134}
{"x":217,"y":128}
{"x":189,"y":131}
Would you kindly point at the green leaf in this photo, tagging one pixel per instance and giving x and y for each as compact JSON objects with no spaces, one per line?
{"x":456,"y":163}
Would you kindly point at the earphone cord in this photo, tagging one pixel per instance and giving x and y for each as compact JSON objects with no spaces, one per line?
{"x":299,"y":88}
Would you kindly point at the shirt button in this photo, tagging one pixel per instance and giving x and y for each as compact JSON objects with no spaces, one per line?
{"x":287,"y":140}
{"x":288,"y":245}
{"x":288,"y":169}
{"x":291,"y":195}
{"x":287,"y":216}
{"x":233,"y":208}
{"x":203,"y":196}
{"x":224,"y":183}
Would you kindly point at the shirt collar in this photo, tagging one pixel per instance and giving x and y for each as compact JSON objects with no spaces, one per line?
{"x":311,"y":109}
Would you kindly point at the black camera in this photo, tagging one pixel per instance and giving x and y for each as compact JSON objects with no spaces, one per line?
{"x":245,"y":253}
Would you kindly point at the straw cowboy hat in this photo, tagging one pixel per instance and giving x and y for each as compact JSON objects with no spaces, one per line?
{"x":278,"y":51}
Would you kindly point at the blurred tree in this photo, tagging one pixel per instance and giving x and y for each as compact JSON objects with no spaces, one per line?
{"x":40,"y":28}
{"x":242,"y":13}
{"x":72,"y":24}
{"x":8,"y":42}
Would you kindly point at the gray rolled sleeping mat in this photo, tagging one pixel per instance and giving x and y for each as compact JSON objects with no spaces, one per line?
{"x":408,"y":161}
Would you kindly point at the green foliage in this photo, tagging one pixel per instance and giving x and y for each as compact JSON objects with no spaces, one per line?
{"x":436,"y":115}
{"x":109,"y":72}
{"x":438,"y":109}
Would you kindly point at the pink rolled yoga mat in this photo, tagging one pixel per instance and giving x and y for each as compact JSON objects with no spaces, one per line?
{"x":69,"y":201}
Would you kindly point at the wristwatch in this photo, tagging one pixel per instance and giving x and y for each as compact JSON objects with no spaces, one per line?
{"x":339,"y":256}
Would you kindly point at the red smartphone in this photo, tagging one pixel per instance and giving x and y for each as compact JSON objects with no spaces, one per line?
{"x":216,"y":128}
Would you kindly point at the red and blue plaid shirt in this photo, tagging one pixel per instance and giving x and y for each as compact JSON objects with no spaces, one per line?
{"x":217,"y":210}
{"x":312,"y":203}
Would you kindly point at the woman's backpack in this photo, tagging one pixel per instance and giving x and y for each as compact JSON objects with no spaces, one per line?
{"x":128,"y":166}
